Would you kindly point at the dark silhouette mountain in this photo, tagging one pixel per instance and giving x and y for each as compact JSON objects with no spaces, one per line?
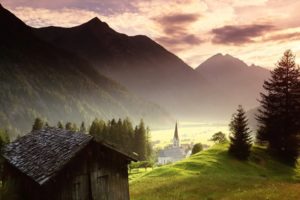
{"x":38,"y":79}
{"x":137,"y":62}
{"x":236,"y":82}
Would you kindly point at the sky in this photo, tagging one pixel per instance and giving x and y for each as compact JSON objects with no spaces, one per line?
{"x":256,"y":31}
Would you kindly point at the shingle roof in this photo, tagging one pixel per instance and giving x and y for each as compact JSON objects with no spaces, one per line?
{"x":41,"y":154}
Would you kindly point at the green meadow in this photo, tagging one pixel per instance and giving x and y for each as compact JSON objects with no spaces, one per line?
{"x":213,"y":174}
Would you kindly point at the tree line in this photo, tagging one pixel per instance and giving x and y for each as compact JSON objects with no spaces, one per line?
{"x":278,"y":118}
{"x":120,"y":133}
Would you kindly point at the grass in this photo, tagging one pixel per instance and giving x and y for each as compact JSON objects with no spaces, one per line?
{"x":213,"y":174}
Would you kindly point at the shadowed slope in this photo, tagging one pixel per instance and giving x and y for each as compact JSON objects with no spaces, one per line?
{"x":39,"y":79}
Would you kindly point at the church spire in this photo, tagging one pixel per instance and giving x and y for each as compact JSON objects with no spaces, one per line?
{"x":176,"y":137}
{"x":176,"y":132}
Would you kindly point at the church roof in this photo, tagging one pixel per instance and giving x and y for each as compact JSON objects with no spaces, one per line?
{"x":175,"y":152}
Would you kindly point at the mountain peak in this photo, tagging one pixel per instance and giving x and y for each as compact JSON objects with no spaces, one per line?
{"x":223,"y":56}
{"x":97,"y":25}
{"x":95,"y":20}
{"x":217,"y":55}
{"x":9,"y":21}
{"x":222,"y":62}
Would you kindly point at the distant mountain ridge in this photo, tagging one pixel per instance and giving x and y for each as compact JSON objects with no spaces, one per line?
{"x":38,"y":79}
{"x":137,"y":62}
{"x":210,"y":92}
{"x":237,"y":82}
{"x":149,"y":70}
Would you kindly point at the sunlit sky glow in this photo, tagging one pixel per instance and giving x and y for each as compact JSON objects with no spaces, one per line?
{"x":256,"y":31}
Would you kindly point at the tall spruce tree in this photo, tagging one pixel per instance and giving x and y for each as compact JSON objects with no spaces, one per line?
{"x":60,"y":125}
{"x":82,"y":127}
{"x":141,"y":141}
{"x":4,"y":139}
{"x":69,"y":126}
{"x":149,"y":147}
{"x":280,"y":110}
{"x":38,"y":124}
{"x":240,"y":139}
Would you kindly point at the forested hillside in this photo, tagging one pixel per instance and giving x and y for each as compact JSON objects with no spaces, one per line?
{"x":39,"y":80}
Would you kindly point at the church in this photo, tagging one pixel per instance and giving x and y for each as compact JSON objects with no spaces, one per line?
{"x":172,"y":153}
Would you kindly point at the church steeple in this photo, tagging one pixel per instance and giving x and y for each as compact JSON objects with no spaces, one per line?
{"x":176,"y":137}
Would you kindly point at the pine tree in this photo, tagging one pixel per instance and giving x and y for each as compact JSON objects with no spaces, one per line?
{"x":129,"y":134}
{"x":149,"y":148}
{"x":82,"y":128}
{"x":4,"y":139}
{"x":280,"y":110}
{"x":240,"y":140}
{"x":140,"y":141}
{"x":38,"y":124}
{"x":74,"y":127}
{"x":69,"y":126}
{"x":60,"y":125}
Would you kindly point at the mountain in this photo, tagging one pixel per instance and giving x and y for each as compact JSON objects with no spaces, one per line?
{"x":236,"y":82}
{"x":137,"y":62}
{"x":38,"y":79}
{"x":211,"y":92}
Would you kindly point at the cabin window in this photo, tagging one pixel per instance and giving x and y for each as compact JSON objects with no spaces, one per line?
{"x":76,"y":191}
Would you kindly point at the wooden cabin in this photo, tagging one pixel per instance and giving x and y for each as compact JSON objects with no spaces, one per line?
{"x":57,"y":164}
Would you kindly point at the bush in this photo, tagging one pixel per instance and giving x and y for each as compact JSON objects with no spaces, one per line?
{"x":197,"y":148}
{"x":219,"y":138}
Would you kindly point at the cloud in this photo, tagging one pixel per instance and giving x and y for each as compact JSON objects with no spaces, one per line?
{"x":189,"y":39}
{"x":183,"y":26}
{"x":40,"y":17}
{"x":176,"y":33}
{"x":178,"y":18}
{"x":106,"y":7}
{"x":239,"y":34}
{"x":283,"y":37}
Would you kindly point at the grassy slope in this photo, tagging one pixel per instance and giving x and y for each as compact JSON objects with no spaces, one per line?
{"x":213,"y":174}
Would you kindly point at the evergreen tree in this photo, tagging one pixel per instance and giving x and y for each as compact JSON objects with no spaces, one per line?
{"x":82,"y":128}
{"x":38,"y":124}
{"x":120,"y":133}
{"x":60,"y":125}
{"x":240,"y":140}
{"x":69,"y":126}
{"x":74,"y":127}
{"x":98,"y":130}
{"x":140,"y":141}
{"x":47,"y":125}
{"x":280,"y":110}
{"x":4,"y":139}
{"x":94,"y":128}
{"x":149,"y":148}
{"x":129,"y":134}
